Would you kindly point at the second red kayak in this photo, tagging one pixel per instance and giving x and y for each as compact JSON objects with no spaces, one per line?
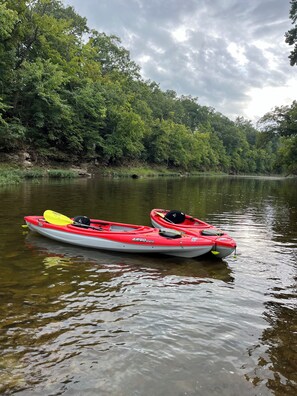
{"x":223,"y":244}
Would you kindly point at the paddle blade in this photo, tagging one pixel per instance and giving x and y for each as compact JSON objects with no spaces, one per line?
{"x":215,"y":252}
{"x":56,"y":218}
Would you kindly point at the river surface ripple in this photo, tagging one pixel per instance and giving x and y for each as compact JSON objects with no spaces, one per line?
{"x":83,"y":322}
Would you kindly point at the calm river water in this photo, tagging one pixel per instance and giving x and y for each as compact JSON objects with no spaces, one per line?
{"x":76,"y":321}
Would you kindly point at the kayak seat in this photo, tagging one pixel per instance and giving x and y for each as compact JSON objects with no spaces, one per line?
{"x":81,"y":221}
{"x":175,"y":216}
{"x":212,"y":232}
{"x":170,"y":234}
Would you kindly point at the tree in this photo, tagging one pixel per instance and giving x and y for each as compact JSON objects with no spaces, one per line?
{"x":291,"y":35}
{"x":282,"y":121}
{"x":125,"y":140}
{"x":42,"y":108}
{"x":44,"y":28}
{"x":8,"y":19}
{"x":194,"y":115}
{"x":288,"y":154}
{"x":88,"y":117}
{"x":112,"y":56}
{"x":247,"y":127}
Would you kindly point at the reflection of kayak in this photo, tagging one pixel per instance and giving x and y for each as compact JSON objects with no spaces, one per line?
{"x":223,"y":244}
{"x":119,"y":237}
{"x":172,"y":268}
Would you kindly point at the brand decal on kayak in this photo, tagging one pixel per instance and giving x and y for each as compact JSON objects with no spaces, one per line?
{"x":143,"y":240}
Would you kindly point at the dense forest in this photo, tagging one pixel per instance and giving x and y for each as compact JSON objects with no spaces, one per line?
{"x":72,"y":94}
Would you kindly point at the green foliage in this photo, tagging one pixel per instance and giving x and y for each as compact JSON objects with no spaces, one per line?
{"x":87,"y":119}
{"x":288,"y":154}
{"x":70,"y":94}
{"x":3,"y":107}
{"x":8,"y":19}
{"x":291,"y":35}
{"x":138,"y":171}
{"x":281,"y":120}
{"x":9,"y":176}
{"x":61,"y":174}
{"x":281,"y":124}
{"x":125,"y":139}
{"x":112,"y":56}
{"x":12,"y":135}
{"x":33,"y":173}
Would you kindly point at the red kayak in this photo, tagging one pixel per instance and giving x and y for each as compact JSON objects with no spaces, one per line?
{"x":118,"y":237}
{"x":223,"y":244}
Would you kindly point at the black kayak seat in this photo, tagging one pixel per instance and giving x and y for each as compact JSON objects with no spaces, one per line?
{"x":175,"y":216}
{"x":81,"y":221}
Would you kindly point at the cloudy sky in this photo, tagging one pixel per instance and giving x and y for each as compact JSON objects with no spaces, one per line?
{"x":230,"y":54}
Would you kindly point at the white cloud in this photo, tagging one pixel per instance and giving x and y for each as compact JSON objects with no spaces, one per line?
{"x":229,"y":53}
{"x":180,"y":34}
{"x":262,"y":100}
{"x":238,"y":53}
{"x":144,"y":59}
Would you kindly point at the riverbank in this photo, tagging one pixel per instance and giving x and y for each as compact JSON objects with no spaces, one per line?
{"x":139,"y":171}
{"x":14,"y":174}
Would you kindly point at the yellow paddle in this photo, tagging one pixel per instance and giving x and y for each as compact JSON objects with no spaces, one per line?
{"x":57,"y":218}
{"x":62,"y":220}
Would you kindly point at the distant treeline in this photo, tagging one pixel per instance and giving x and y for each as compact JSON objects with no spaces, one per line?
{"x":71,"y":94}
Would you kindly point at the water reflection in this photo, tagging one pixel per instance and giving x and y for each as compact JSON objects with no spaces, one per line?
{"x":67,"y":301}
{"x":277,"y":364}
{"x":154,"y":265}
{"x":280,"y":337}
{"x":80,"y":321}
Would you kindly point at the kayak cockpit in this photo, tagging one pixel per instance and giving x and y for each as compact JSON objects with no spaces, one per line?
{"x":180,"y":218}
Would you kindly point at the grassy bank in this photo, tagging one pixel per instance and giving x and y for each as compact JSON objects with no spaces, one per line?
{"x":14,"y":175}
{"x":10,"y":174}
{"x":137,"y":171}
